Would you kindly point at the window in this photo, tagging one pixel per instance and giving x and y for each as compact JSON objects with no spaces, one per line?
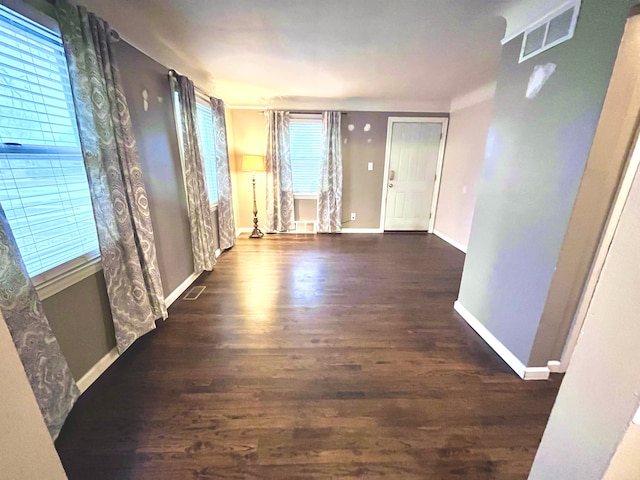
{"x":207,"y":142}
{"x":43,"y":184}
{"x":305,"y":137}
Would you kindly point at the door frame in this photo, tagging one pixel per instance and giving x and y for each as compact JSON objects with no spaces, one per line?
{"x":624,"y":188}
{"x":444,"y":123}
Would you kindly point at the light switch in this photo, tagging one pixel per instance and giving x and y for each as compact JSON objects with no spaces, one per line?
{"x":370,"y":166}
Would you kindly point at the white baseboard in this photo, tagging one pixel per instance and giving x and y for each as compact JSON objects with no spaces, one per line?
{"x":451,"y":241}
{"x":218,"y":253}
{"x":240,"y":231}
{"x":527,"y":373}
{"x":536,"y":373}
{"x":97,"y":370}
{"x":555,"y":366}
{"x":173,"y":296}
{"x":362,"y":230}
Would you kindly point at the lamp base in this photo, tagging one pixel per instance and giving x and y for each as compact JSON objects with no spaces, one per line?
{"x":257,"y":233}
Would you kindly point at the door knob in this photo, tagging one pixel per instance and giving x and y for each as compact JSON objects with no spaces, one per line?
{"x":391,"y":185}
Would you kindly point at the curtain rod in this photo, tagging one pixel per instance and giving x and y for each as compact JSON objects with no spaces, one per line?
{"x":174,"y":74}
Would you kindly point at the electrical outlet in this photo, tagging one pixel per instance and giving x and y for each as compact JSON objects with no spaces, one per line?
{"x":353,"y":215}
{"x":370,"y":166}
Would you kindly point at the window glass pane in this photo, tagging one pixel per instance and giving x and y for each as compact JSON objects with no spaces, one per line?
{"x":43,"y":183}
{"x":560,"y":26}
{"x":306,"y":152}
{"x":206,"y":140}
{"x":535,"y":40}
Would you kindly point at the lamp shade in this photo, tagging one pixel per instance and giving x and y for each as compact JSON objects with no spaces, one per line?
{"x":252,"y":163}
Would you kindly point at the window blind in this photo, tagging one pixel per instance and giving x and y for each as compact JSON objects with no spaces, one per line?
{"x":207,"y":142}
{"x":43,"y":184}
{"x":305,"y":146}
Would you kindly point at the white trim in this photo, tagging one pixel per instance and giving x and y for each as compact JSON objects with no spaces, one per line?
{"x":387,"y":159}
{"x":512,"y":33}
{"x":526,"y":373}
{"x":240,"y":231}
{"x":217,"y":253}
{"x":601,"y":253}
{"x":636,"y":417}
{"x":98,"y":369}
{"x":312,"y":116}
{"x":536,"y":373}
{"x":362,"y":230}
{"x":173,"y":296}
{"x":450,"y":241}
{"x":474,"y":97}
{"x":305,"y":196}
{"x":554,"y":366}
{"x":57,"y":284}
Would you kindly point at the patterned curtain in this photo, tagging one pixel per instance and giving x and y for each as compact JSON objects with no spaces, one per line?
{"x":279,"y":217}
{"x":118,"y":193}
{"x":45,"y":366}
{"x":330,"y":188}
{"x":226,"y":222}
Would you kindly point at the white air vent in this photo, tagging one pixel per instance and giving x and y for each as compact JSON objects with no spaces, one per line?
{"x":304,"y":226}
{"x":552,"y":30}
{"x":194,"y":293}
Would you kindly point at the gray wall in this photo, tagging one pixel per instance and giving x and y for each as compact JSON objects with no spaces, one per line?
{"x":305,"y":209}
{"x":535,"y":156}
{"x":362,"y":189}
{"x":80,"y":315}
{"x":609,"y":153}
{"x":157,"y":140}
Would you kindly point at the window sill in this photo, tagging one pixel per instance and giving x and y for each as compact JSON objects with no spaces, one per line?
{"x":60,"y":282}
{"x":305,"y":196}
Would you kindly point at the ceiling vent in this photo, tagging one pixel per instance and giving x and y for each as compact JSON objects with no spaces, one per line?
{"x":552,"y":30}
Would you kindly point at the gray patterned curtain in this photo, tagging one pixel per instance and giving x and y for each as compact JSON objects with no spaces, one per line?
{"x":45,"y":366}
{"x":279,"y":215}
{"x":226,"y":222}
{"x":330,"y":188}
{"x":118,"y":193}
{"x":200,"y":221}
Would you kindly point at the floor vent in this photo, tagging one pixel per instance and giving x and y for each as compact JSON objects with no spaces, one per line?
{"x":194,"y":293}
{"x":304,"y":226}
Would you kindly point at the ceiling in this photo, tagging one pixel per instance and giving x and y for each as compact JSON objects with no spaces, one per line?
{"x":343,"y":54}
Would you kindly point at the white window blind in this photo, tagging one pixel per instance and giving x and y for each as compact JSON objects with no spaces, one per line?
{"x":305,"y":136}
{"x":43,"y":184}
{"x":207,"y":142}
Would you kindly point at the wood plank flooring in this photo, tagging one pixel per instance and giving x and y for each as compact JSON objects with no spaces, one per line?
{"x":313,"y":357}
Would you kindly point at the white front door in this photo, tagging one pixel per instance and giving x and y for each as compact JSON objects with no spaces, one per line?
{"x":414,"y":152}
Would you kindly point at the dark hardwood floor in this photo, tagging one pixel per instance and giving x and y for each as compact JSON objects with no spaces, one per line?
{"x":318,"y":357}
